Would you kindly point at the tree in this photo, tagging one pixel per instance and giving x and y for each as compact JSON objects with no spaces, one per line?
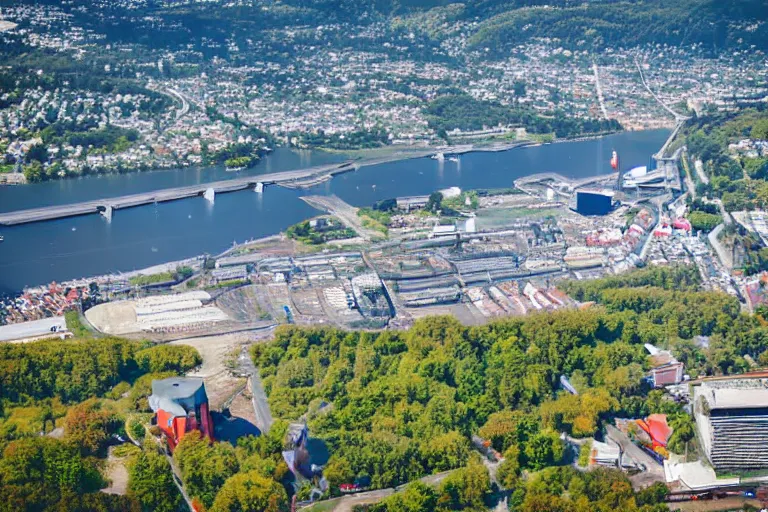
{"x":760,"y":130}
{"x":250,"y":492}
{"x":435,"y":201}
{"x":88,"y":426}
{"x":445,"y":451}
{"x":164,"y":358}
{"x":682,"y":432}
{"x":37,"y":153}
{"x":508,"y":473}
{"x":151,"y":483}
{"x":417,"y":497}
{"x":33,"y":172}
{"x":501,"y":428}
{"x":519,"y":88}
{"x":338,"y":471}
{"x":466,"y":488}
{"x":204,"y":468}
{"x":543,"y":449}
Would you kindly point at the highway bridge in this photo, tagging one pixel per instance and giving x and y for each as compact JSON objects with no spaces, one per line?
{"x":106,"y":206}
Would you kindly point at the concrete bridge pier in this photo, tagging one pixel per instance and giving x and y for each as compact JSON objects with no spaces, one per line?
{"x":107,"y":213}
{"x":210,"y":195}
{"x":259,"y":188}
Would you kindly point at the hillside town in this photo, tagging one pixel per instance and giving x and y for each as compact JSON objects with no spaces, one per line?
{"x":575,"y":333}
{"x":342,"y":88}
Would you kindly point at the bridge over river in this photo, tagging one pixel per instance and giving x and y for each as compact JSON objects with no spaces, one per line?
{"x":294,"y":179}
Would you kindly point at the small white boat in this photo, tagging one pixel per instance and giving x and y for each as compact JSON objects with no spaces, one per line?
{"x":1,"y":238}
{"x":439,"y":157}
{"x":454,"y":159}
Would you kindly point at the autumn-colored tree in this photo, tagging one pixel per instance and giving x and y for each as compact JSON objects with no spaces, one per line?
{"x":250,"y":492}
{"x":89,"y":425}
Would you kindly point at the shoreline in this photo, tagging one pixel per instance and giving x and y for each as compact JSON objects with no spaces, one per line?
{"x":371,"y":161}
{"x":402,"y":152}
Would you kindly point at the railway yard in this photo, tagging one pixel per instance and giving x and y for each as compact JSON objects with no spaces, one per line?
{"x":504,"y":255}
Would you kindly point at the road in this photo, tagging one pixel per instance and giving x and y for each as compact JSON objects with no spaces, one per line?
{"x":184,"y":103}
{"x":689,"y":184}
{"x":346,"y":213}
{"x":722,"y":253}
{"x":699,"y":166}
{"x":168,"y":194}
{"x":178,"y":481}
{"x":264,"y":418}
{"x":599,"y":91}
{"x":348,"y":503}
{"x":654,"y":472}
{"x":31,"y":329}
{"x":678,"y":117}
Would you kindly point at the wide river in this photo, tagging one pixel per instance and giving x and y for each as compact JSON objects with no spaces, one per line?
{"x":34,"y":254}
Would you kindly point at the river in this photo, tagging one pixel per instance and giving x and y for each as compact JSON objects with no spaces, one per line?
{"x":33,"y":254}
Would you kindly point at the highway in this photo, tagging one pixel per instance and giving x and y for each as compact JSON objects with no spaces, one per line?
{"x":106,"y":205}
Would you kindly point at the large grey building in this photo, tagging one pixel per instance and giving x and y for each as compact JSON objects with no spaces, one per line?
{"x":732,"y":422}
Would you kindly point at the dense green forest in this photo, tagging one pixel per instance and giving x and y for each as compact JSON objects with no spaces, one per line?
{"x":558,"y":489}
{"x":88,"y":388}
{"x":404,"y":404}
{"x":595,"y":25}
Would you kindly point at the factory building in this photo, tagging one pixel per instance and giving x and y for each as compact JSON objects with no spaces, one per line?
{"x":732,"y":421}
{"x":181,"y":406}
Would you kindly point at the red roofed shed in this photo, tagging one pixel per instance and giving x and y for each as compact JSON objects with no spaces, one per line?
{"x":656,"y":427}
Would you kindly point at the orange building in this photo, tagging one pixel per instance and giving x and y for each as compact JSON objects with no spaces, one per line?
{"x":181,"y":405}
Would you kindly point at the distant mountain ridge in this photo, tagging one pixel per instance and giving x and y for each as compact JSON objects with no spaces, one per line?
{"x":595,"y":24}
{"x":498,"y":24}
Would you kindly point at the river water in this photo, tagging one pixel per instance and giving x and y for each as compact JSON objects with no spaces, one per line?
{"x":136,"y":238}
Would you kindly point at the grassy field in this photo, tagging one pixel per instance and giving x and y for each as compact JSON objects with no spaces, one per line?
{"x":495,"y":218}
{"x":325,"y":506}
{"x":142,"y":280}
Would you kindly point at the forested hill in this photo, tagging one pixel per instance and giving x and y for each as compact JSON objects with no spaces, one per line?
{"x":496,"y":25}
{"x":716,"y":24}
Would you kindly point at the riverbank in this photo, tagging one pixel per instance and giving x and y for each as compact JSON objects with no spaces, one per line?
{"x":158,"y":233}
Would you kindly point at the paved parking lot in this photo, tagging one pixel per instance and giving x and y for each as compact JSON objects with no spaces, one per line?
{"x":31,"y":329}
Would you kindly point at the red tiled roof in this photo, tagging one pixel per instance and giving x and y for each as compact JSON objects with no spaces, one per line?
{"x":656,"y":427}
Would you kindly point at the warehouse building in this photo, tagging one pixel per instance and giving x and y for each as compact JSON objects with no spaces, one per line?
{"x":593,"y":202}
{"x":732,"y":421}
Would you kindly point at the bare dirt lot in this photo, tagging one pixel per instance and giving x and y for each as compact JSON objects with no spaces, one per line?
{"x":116,"y":473}
{"x":220,"y":384}
{"x":113,"y":317}
{"x":465,"y":313}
